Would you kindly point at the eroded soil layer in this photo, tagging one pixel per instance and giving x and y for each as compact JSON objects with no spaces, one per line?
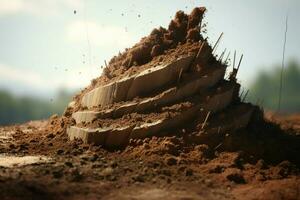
{"x":148,"y":96}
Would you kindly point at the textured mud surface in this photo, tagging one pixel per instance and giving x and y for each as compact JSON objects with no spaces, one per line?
{"x":261,"y":162}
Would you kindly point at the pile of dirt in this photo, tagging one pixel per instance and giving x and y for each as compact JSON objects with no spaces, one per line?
{"x":182,"y":37}
{"x":135,"y":99}
{"x":183,"y":28}
{"x":197,"y":107}
{"x":140,"y":91}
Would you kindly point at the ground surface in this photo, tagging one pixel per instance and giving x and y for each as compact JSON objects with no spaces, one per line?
{"x":156,"y":168}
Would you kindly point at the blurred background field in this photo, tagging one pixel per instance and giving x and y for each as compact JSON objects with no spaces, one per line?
{"x":18,"y":109}
{"x":265,"y":89}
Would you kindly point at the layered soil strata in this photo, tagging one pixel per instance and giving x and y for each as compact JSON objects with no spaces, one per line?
{"x":168,"y":79}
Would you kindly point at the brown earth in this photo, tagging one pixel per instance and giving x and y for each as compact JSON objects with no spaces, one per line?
{"x":181,"y":39}
{"x":260,"y":162}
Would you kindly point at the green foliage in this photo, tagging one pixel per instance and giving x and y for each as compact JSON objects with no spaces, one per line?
{"x":267,"y":84}
{"x":21,"y":109}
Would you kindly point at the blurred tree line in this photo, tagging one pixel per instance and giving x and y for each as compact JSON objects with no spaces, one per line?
{"x":14,"y":109}
{"x":266,"y":86}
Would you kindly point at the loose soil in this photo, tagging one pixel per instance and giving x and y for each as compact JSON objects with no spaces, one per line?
{"x":260,"y":162}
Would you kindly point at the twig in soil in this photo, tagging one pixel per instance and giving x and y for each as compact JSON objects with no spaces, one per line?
{"x":105,"y":63}
{"x":206,"y":118}
{"x":222,"y":55}
{"x":216,"y":44}
{"x":218,"y":146}
{"x":225,"y":62}
{"x":234,"y":72}
{"x":240,"y":63}
{"x":234,"y":55}
{"x":200,"y":49}
{"x":198,"y":55}
{"x":179,"y":76}
{"x":242,"y":93}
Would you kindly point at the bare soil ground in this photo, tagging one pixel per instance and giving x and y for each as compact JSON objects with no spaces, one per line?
{"x":257,"y":163}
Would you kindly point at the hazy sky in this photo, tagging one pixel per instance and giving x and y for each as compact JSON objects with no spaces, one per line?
{"x":44,"y":46}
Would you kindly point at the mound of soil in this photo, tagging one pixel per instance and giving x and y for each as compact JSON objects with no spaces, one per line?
{"x":140,"y":91}
{"x":212,"y":145}
{"x":182,"y":37}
